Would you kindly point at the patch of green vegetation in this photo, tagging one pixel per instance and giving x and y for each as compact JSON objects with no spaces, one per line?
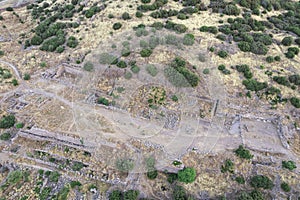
{"x":243,"y":153}
{"x":14,"y":177}
{"x":210,"y":29}
{"x":54,"y":176}
{"x":115,"y":195}
{"x":124,"y":164}
{"x":74,"y":184}
{"x":254,"y":85}
{"x":240,"y":179}
{"x":5,"y":136}
{"x":179,"y":75}
{"x":223,"y":69}
{"x":285,"y":187}
{"x":117,"y":26}
{"x":122,"y":64}
{"x":77,"y":166}
{"x":290,"y":165}
{"x":152,"y":70}
{"x":106,"y":58}
{"x":19,"y":125}
{"x":261,"y":181}
{"x":188,"y":39}
{"x":135,"y":69}
{"x":103,"y":101}
{"x":187,"y":175}
{"x":26,"y":77}
{"x":223,"y":54}
{"x":228,"y":166}
{"x":88,"y":66}
{"x":7,"y":121}
{"x":146,"y":52}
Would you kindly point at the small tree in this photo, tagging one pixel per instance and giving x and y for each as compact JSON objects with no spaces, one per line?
{"x":187,"y":175}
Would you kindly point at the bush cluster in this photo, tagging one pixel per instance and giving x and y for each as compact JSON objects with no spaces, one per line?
{"x":210,"y":29}
{"x":254,"y":85}
{"x":245,"y":70}
{"x":179,"y":75}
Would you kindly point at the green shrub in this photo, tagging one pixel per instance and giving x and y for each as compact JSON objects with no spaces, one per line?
{"x":115,"y":195}
{"x":287,"y":41}
{"x":172,"y":177}
{"x":19,"y":125}
{"x":152,"y":174}
{"x":14,"y":177}
{"x":135,"y":69}
{"x":117,"y":26}
{"x":179,"y":75}
{"x":243,"y":153}
{"x":174,"y":98}
{"x":5,"y":136}
{"x":88,"y":66}
{"x":26,"y":77}
{"x":179,"y":193}
{"x":125,"y":51}
{"x":54,"y":176}
{"x":145,"y":1}
{"x":295,"y":78}
{"x":152,"y":70}
{"x":231,"y":9}
{"x":72,"y":42}
{"x":240,"y":180}
{"x":153,"y":42}
{"x":106,"y":58}
{"x":146,"y":52}
{"x":128,"y":75}
{"x":294,"y":50}
{"x":285,"y":187}
{"x":270,"y":59}
{"x":201,"y":57}
{"x":7,"y":121}
{"x":14,"y":82}
{"x":222,"y":54}
{"x":254,"y":85}
{"x":188,"y":39}
{"x":295,"y":102}
{"x":259,"y":48}
{"x":277,"y":58}
{"x":261,"y":181}
{"x":228,"y":166}
{"x":9,"y":9}
{"x":210,"y":29}
{"x":122,"y":64}
{"x":244,"y":46}
{"x":1,"y":18}
{"x":36,"y":40}
{"x":103,"y":101}
{"x":126,"y":16}
{"x":124,"y":164}
{"x":138,"y":14}
{"x":77,"y":166}
{"x":182,"y":16}
{"x":1,"y":53}
{"x":187,"y":175}
{"x":73,"y":184}
{"x":206,"y":71}
{"x":282,"y":80}
{"x":221,"y":67}
{"x":131,"y":195}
